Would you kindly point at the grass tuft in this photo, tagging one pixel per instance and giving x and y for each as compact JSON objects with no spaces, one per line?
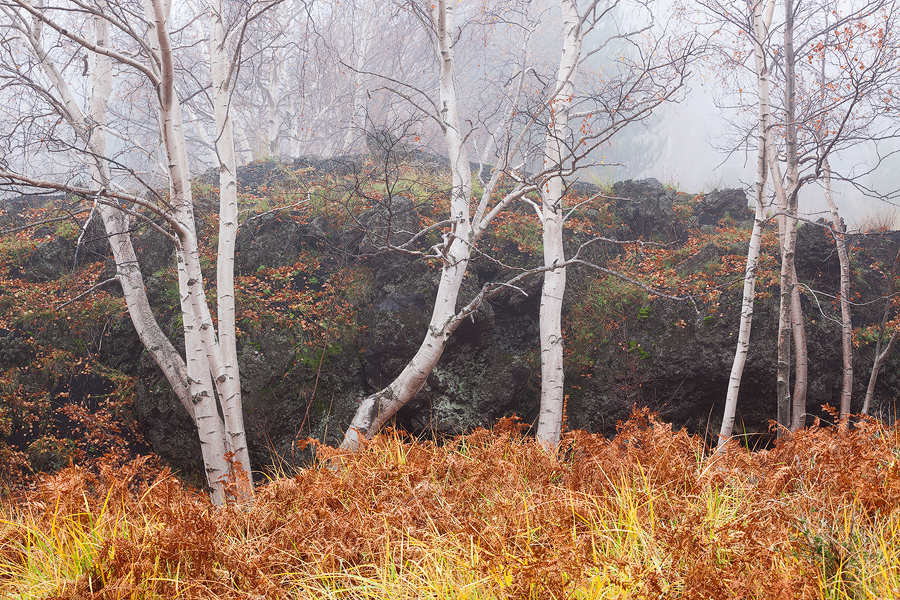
{"x":485,"y":516}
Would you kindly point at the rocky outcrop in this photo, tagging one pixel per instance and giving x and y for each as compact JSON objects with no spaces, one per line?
{"x":662,"y":354}
{"x":648,"y":209}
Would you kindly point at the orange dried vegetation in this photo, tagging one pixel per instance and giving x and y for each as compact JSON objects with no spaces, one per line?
{"x":488,"y":515}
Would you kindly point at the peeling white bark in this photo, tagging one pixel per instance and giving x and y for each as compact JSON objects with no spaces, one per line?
{"x":229,"y":382}
{"x":375,"y":410}
{"x":205,"y":362}
{"x":760,"y":39}
{"x":791,"y":412}
{"x":551,"y":417}
{"x":91,"y":129}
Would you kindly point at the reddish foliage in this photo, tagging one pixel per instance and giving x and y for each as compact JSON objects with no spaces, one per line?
{"x":530,"y":515}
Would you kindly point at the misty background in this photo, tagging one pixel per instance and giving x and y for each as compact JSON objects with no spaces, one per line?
{"x":317,"y":78}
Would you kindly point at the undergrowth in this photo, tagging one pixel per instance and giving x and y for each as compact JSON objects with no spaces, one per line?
{"x":648,"y":514}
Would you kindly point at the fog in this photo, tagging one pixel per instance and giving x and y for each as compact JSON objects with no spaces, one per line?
{"x":313,"y":82}
{"x":686,"y":146}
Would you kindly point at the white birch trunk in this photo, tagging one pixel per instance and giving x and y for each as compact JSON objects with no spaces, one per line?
{"x":130,"y":278}
{"x":117,"y":225}
{"x":786,"y":191}
{"x":273,"y":94}
{"x":798,"y":404}
{"x":880,"y":357}
{"x":801,"y":361}
{"x":202,"y":353}
{"x":192,"y":380}
{"x":245,"y":152}
{"x":375,"y":410}
{"x":294,"y":122}
{"x":760,"y":36}
{"x":228,"y":382}
{"x":790,"y":296}
{"x":551,"y":415}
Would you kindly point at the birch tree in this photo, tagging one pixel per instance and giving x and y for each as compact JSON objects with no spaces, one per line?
{"x":839,"y":231}
{"x":799,"y":130}
{"x":882,"y":351}
{"x":552,"y":376}
{"x":206,"y":380}
{"x":468,"y":219}
{"x":824,"y":113}
{"x":760,"y":22}
{"x":872,"y":71}
{"x":630,"y":95}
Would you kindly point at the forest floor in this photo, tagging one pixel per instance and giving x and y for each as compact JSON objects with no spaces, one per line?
{"x":648,"y":514}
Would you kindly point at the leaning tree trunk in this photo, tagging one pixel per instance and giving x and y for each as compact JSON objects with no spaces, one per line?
{"x":881,"y":356}
{"x":117,"y":224}
{"x":375,"y":410}
{"x":753,"y":251}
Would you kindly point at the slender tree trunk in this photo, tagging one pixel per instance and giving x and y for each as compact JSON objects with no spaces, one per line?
{"x":130,"y":278}
{"x":787,"y":226}
{"x":229,"y":381}
{"x":760,"y":37}
{"x":801,"y":361}
{"x":378,"y":408}
{"x":192,"y":380}
{"x":743,"y":344}
{"x":293,"y":127}
{"x":117,"y":225}
{"x":273,"y":94}
{"x":551,"y":415}
{"x":881,"y":356}
{"x":792,"y":174}
{"x":840,"y":240}
{"x":206,"y":366}
{"x":787,"y":195}
{"x":357,"y":113}
{"x":245,"y":152}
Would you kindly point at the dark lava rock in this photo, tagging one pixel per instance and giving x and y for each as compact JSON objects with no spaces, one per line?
{"x":665,"y":355}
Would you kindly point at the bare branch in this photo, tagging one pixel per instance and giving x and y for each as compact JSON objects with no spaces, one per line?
{"x":86,"y":292}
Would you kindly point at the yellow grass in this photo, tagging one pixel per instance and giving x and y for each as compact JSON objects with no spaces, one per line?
{"x":490,"y":515}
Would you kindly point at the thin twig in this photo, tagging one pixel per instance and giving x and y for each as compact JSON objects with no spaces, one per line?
{"x":38,"y":224}
{"x":87,"y":291}
{"x":262,"y":214}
